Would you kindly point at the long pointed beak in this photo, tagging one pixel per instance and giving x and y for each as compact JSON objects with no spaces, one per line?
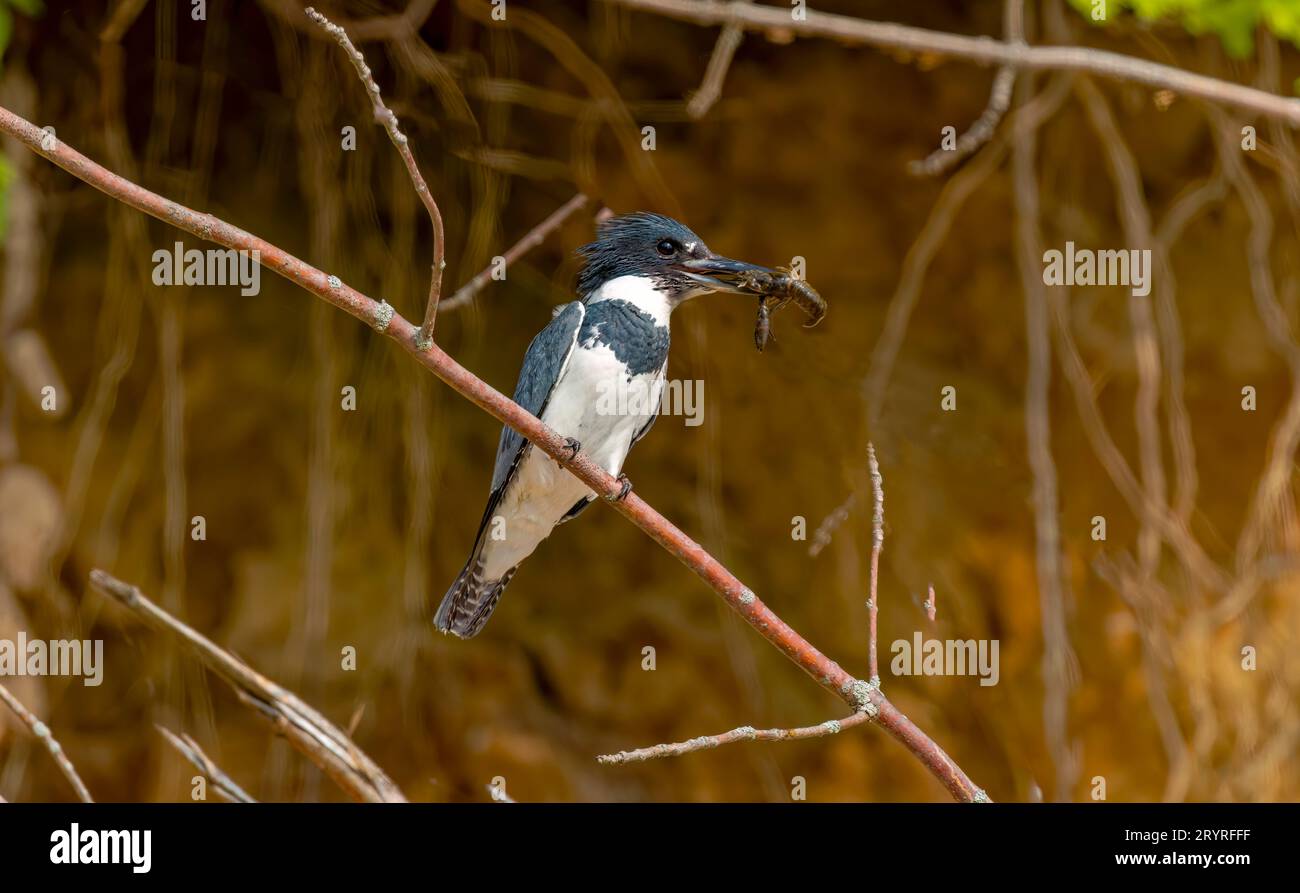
{"x":722,"y":273}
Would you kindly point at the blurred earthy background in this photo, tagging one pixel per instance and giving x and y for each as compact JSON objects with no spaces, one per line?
{"x":326,"y":528}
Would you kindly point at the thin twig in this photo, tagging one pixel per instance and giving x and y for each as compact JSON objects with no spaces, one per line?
{"x":1174,"y":530}
{"x":1138,"y":231}
{"x":42,"y":732}
{"x":531,"y":240}
{"x":392,"y":27}
{"x":877,"y":543}
{"x":1169,"y":230}
{"x":311,"y":733}
{"x":389,"y":120}
{"x":1058,"y":659}
{"x":1284,"y":440}
{"x":867,"y":709}
{"x":986,"y":124}
{"x":825,"y":530}
{"x":716,"y":72}
{"x":744,"y":733}
{"x":222,"y":783}
{"x":848,"y":30}
{"x":856,"y":692}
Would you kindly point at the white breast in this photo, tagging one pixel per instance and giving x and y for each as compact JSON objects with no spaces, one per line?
{"x":639,"y":291}
{"x":599,"y":405}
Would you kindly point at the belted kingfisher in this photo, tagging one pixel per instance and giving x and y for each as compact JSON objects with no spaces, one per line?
{"x":595,"y":375}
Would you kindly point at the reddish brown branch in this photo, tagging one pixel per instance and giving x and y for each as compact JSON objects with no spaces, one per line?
{"x":877,"y":543}
{"x":378,"y":314}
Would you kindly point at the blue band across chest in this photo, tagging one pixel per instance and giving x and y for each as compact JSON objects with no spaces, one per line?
{"x":632,"y":334}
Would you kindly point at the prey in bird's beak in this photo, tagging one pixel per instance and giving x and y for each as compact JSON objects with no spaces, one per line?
{"x":774,"y":288}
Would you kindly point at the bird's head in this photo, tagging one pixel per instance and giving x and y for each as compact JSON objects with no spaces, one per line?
{"x":674,"y":260}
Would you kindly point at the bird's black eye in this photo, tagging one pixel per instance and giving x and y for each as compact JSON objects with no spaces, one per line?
{"x":667,"y":247}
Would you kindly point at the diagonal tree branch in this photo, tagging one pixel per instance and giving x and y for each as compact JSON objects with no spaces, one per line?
{"x":858,"y":693}
{"x":303,"y":726}
{"x":821,"y":730}
{"x":222,"y":783}
{"x":984,"y":50}
{"x":43,"y":734}
{"x":528,"y":242}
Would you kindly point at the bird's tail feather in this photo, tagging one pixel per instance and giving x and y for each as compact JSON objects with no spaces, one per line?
{"x":469,"y":602}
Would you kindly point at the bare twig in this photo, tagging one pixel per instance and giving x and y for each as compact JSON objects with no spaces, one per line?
{"x":979,"y":133}
{"x":1169,"y":230}
{"x":222,"y":783}
{"x":389,"y":120}
{"x":42,"y":733}
{"x":744,"y":733}
{"x":311,"y":733}
{"x":716,"y":72}
{"x":381,"y":316}
{"x":1146,"y":598}
{"x":530,"y":240}
{"x":845,"y":29}
{"x":940,"y":160}
{"x":877,"y":543}
{"x":869,"y":709}
{"x":1284,"y":440}
{"x":831,"y":523}
{"x":1058,"y":660}
{"x":1173,"y":529}
{"x":392,"y":27}
{"x":544,"y":31}
{"x":1138,"y":232}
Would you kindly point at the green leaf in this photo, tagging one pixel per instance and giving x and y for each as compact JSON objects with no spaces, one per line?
{"x":1234,"y":22}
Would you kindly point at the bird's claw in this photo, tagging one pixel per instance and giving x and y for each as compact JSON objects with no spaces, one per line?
{"x":573,"y":446}
{"x":625,"y":487}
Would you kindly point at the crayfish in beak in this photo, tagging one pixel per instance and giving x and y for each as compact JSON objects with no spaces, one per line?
{"x":775,"y":289}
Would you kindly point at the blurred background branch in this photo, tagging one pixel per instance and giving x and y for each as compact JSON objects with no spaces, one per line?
{"x":48,"y":741}
{"x":307,"y":730}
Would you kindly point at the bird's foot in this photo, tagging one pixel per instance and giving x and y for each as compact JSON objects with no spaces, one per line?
{"x":625,"y":487}
{"x":573,"y":446}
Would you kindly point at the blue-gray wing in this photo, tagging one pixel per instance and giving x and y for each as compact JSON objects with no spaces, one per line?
{"x":654,"y":416}
{"x":545,"y":360}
